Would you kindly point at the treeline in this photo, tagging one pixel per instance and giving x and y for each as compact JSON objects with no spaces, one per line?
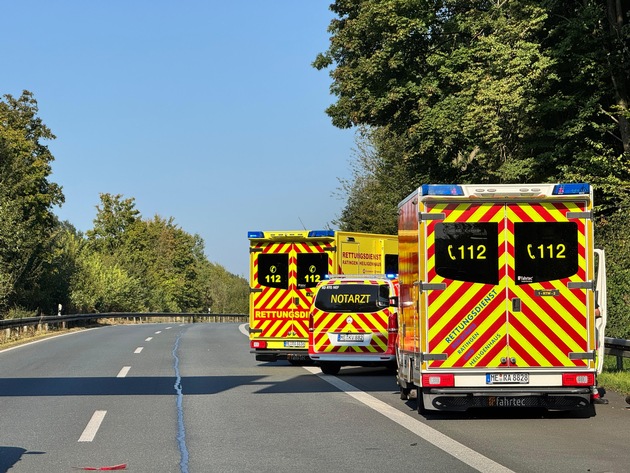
{"x":486,"y":91}
{"x":125,"y":263}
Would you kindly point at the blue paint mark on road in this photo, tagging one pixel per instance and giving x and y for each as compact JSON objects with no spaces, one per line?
{"x":181,"y":431}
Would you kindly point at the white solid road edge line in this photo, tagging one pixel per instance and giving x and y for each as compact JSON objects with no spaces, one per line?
{"x":452,"y":447}
{"x":244,"y":329}
{"x":90,"y":430}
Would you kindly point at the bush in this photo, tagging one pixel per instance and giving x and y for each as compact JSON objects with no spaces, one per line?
{"x":613,"y":234}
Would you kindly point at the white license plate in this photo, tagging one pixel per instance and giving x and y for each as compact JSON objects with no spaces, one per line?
{"x":294,"y":344}
{"x":350,"y":337}
{"x":507,"y":378}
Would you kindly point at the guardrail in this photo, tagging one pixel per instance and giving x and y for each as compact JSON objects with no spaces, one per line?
{"x":13,"y":329}
{"x":617,"y":347}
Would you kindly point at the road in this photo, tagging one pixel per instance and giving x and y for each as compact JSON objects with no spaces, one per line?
{"x":191,"y":398}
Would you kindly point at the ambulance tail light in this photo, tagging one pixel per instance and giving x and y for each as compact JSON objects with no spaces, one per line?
{"x":438,"y":380}
{"x":571,"y":189}
{"x":258,"y":344}
{"x":578,"y":379}
{"x":392,"y":323}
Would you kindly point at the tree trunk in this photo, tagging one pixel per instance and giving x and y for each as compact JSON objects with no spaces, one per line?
{"x":617,"y":13}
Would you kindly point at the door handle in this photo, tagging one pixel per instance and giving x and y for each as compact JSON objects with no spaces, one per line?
{"x":516,"y":305}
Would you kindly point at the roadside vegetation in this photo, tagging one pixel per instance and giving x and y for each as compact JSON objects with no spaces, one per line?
{"x":614,"y":379}
{"x":486,"y":92}
{"x":439,"y":92}
{"x":125,"y":263}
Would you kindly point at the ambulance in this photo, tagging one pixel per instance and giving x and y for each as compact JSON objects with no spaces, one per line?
{"x":498,"y":290}
{"x":354,"y":321}
{"x":285,"y":268}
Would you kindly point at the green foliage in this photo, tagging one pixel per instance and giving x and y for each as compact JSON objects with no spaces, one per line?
{"x":380,"y":180}
{"x":613,"y":379}
{"x":27,"y":224}
{"x":487,"y":91}
{"x":124,"y":263}
{"x":113,"y":218}
{"x":102,"y":285}
{"x":613,"y":234}
{"x":130,"y":264}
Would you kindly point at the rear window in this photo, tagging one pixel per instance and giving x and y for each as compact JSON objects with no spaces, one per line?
{"x":273,"y":270}
{"x":545,"y":251}
{"x":467,"y":251}
{"x":311,"y":269}
{"x":391,"y":264}
{"x":352,"y":297}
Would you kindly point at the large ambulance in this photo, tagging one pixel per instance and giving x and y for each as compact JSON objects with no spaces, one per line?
{"x":354,"y":322}
{"x":498,"y":291}
{"x":285,"y":268}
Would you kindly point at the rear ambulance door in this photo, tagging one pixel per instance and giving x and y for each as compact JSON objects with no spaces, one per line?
{"x":547,"y":285}
{"x":465,"y":285}
{"x":284,"y":275}
{"x":506,"y":285}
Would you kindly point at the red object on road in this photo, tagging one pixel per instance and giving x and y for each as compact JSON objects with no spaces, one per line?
{"x":122,"y":466}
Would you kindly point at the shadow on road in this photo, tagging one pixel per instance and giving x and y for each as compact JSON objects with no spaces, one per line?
{"x":147,"y":385}
{"x":9,"y":456}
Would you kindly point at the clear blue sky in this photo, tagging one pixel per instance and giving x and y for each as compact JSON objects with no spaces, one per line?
{"x":205,"y":111}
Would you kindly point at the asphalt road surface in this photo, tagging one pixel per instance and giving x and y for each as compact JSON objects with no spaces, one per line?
{"x":191,"y":398}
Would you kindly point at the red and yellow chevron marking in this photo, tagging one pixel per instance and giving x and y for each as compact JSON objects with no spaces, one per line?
{"x":474,"y":324}
{"x":279,"y":314}
{"x":375,"y":323}
{"x":548,"y":328}
{"x":466,"y":320}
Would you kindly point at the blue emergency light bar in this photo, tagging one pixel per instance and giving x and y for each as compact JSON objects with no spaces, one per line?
{"x":441,"y":189}
{"x":255,"y":234}
{"x":571,"y":189}
{"x":321,"y":233}
{"x":391,"y":276}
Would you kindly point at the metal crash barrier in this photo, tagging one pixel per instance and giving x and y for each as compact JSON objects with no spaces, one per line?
{"x":14,"y":329}
{"x":619,"y":348}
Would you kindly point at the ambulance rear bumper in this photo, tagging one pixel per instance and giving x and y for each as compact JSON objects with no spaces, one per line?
{"x":552,"y":398}
{"x":275,"y":355}
{"x":355,"y":359}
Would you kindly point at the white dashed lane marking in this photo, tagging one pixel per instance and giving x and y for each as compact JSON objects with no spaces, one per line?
{"x":92,"y":427}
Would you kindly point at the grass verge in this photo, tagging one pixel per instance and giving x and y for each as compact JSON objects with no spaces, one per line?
{"x":614,"y":379}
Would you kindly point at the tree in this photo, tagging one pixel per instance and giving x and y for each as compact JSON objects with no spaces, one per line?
{"x":101,"y":285}
{"x":27,"y":223}
{"x":380,"y":180}
{"x":133,"y":264}
{"x":114,"y":217}
{"x":487,"y":91}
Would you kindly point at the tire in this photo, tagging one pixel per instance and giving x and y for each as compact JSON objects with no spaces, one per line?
{"x":404,"y":393}
{"x":330,"y":368}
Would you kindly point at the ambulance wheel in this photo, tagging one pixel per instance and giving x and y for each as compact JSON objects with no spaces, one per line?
{"x":330,"y":368}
